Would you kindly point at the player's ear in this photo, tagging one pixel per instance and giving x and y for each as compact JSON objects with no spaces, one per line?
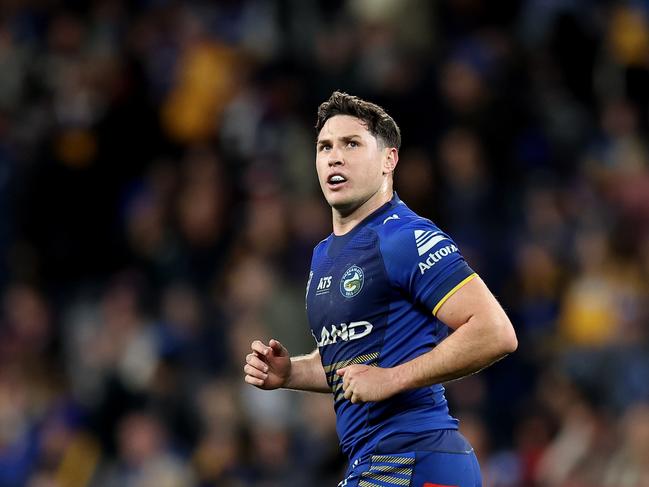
{"x":391,"y":159}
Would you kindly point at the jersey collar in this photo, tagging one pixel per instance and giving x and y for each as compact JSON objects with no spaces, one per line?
{"x":380,"y":211}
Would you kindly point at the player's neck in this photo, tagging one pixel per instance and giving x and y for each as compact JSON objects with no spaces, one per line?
{"x":344,"y":223}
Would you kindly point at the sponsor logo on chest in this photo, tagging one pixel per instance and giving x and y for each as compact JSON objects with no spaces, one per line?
{"x":344,"y":332}
{"x":324,"y":285}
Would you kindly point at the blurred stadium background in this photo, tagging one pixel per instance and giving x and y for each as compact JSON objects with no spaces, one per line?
{"x":158,"y":206}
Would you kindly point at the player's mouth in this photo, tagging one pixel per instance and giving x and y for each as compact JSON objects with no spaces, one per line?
{"x":336,"y":181}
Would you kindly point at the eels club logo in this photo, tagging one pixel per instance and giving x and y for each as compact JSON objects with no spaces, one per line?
{"x":352,"y":281}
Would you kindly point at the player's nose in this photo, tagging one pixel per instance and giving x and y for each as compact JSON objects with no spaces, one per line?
{"x":335,"y":162}
{"x":335,"y":158}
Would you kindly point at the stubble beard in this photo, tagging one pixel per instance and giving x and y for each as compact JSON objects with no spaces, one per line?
{"x":348,"y":206}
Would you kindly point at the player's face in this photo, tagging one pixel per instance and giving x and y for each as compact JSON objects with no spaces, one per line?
{"x":351,"y":163}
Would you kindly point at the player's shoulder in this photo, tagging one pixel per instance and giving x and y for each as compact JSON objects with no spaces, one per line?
{"x":321,"y":247}
{"x":402,"y":228}
{"x":322,"y":244}
{"x":412,"y":245}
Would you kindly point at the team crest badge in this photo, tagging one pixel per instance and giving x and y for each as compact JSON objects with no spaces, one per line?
{"x":352,"y":281}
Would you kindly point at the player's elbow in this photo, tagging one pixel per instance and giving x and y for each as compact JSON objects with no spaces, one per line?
{"x":497,"y":334}
{"x":506,"y":337}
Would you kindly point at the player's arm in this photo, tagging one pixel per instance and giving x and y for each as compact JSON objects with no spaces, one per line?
{"x":483,"y":334}
{"x":271,"y":367}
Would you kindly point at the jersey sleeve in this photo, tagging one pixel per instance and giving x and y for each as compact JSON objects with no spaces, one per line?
{"x":425,"y":263}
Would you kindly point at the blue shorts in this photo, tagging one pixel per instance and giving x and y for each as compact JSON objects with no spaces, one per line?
{"x":438,"y":459}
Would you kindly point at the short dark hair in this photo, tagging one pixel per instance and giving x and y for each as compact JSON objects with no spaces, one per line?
{"x":378,"y":122}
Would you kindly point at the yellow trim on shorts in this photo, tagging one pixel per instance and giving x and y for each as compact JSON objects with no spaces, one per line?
{"x":452,"y":292}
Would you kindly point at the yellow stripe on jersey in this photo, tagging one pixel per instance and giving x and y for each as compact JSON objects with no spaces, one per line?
{"x":393,"y":459}
{"x":391,"y":469}
{"x":367,"y":483}
{"x":368,"y":479}
{"x":395,"y":475}
{"x":354,"y":361}
{"x":452,"y":292}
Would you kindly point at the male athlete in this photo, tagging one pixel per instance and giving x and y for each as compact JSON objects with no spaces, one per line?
{"x":383,"y":291}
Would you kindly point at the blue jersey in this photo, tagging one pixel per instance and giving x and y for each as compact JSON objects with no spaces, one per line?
{"x":372,"y":297}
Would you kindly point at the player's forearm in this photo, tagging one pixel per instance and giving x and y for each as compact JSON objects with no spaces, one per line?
{"x":307,"y":374}
{"x":472,"y":347}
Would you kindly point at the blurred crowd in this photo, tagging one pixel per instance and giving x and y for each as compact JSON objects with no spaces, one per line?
{"x":159,"y":204}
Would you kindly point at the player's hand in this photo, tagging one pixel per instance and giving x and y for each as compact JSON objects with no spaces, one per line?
{"x":267,"y":366}
{"x":363,"y":383}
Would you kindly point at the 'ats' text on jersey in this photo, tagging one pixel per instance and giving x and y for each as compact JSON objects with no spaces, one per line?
{"x":371,"y":299}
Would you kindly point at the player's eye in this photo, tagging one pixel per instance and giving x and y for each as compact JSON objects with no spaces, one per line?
{"x":324,"y":147}
{"x":352,"y":143}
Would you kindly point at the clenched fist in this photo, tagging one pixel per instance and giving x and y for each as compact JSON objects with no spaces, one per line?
{"x":363,"y":383}
{"x":267,"y":366}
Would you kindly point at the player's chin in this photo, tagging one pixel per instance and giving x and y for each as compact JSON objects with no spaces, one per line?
{"x":340,"y":203}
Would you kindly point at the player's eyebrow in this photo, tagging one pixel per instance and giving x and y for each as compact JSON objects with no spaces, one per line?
{"x":343,"y":138}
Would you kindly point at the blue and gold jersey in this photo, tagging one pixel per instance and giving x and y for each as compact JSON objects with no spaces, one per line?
{"x":372,"y":297}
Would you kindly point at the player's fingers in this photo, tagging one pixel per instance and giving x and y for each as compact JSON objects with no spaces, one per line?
{"x":346,"y":382}
{"x":277,"y":347}
{"x":252,"y":371}
{"x":347,"y":387}
{"x":356,"y":397}
{"x":256,"y":362}
{"x":260,"y":348}
{"x":341,"y":372}
{"x":339,"y":382}
{"x":254,"y":381}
